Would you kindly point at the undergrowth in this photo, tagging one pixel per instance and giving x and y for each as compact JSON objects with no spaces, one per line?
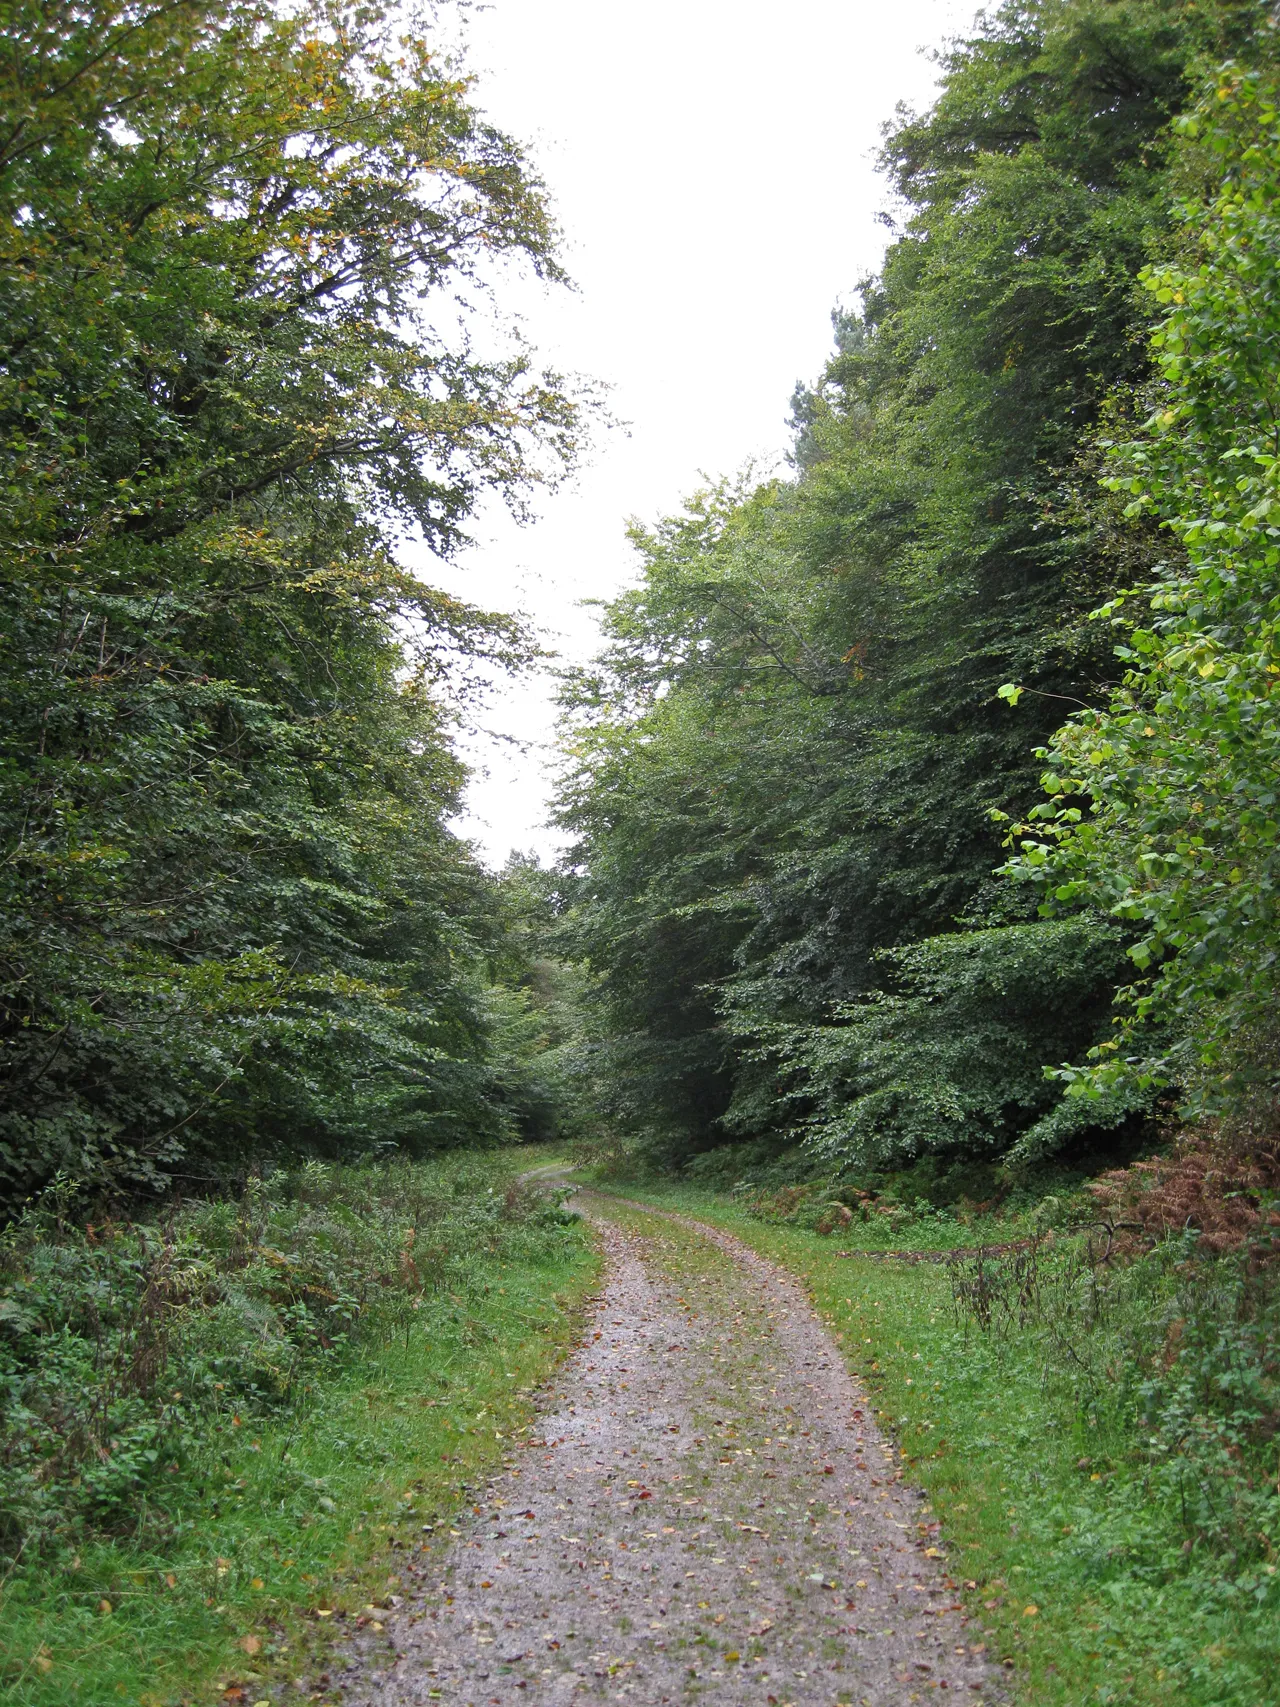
{"x":925,"y":1207}
{"x":230,"y":1428}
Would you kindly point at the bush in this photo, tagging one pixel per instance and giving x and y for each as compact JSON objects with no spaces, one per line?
{"x":1229,"y":1192}
{"x":128,"y":1347}
{"x":950,"y":1062}
{"x":752,"y":1165}
{"x":1171,"y":1363}
{"x":1160,"y":806}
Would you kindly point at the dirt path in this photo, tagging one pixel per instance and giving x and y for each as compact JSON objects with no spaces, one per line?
{"x":709,"y":1514}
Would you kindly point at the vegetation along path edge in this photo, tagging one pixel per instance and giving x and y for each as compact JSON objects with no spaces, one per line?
{"x":709,"y":1513}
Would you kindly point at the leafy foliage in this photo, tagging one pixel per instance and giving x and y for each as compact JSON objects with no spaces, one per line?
{"x":1162,"y":806}
{"x":783,"y":768}
{"x":953,"y":1059}
{"x":1177,"y":1352}
{"x":241,"y":253}
{"x":126,"y":1349}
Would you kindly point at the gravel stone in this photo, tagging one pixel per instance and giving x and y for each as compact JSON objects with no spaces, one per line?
{"x":706,"y":1513}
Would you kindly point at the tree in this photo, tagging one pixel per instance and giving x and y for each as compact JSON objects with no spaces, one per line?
{"x":1162,"y":806}
{"x":783,"y":770}
{"x":242,"y":250}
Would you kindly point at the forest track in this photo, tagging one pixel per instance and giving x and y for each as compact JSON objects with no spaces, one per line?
{"x":706,"y":1513}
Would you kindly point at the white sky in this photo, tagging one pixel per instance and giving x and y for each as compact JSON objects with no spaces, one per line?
{"x":712,"y":165}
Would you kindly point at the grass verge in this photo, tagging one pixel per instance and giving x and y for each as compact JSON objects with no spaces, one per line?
{"x":286,"y":1529}
{"x":1058,"y":1537}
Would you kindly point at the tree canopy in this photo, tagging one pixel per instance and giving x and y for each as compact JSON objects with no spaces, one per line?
{"x":1163,"y":805}
{"x":246,"y":258}
{"x":823,"y":886}
{"x":785,"y":770}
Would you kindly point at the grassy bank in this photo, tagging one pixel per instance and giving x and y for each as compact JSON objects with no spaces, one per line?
{"x":1110,"y":1565}
{"x":278,"y":1408}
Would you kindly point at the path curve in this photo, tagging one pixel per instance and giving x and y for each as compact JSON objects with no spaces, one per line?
{"x":707,"y":1513}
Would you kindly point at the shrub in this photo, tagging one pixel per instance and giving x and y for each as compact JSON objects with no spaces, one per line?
{"x":950,"y":1062}
{"x":1228,"y":1192}
{"x":127,"y":1347}
{"x":1171,"y":1358}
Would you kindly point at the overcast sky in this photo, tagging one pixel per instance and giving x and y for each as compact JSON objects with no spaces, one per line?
{"x":712,"y":164}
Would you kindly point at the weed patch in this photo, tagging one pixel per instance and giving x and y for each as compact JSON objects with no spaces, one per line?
{"x":231,"y":1434}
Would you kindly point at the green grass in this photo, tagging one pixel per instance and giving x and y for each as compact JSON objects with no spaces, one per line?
{"x":298,"y":1524}
{"x":1047,"y":1523}
{"x":894,"y":1231}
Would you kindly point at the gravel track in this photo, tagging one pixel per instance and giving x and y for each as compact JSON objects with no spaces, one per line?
{"x":707,"y":1513}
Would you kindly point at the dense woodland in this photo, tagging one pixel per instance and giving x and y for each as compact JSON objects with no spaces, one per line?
{"x":818,"y":894}
{"x":924,"y":793}
{"x":247,"y":256}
